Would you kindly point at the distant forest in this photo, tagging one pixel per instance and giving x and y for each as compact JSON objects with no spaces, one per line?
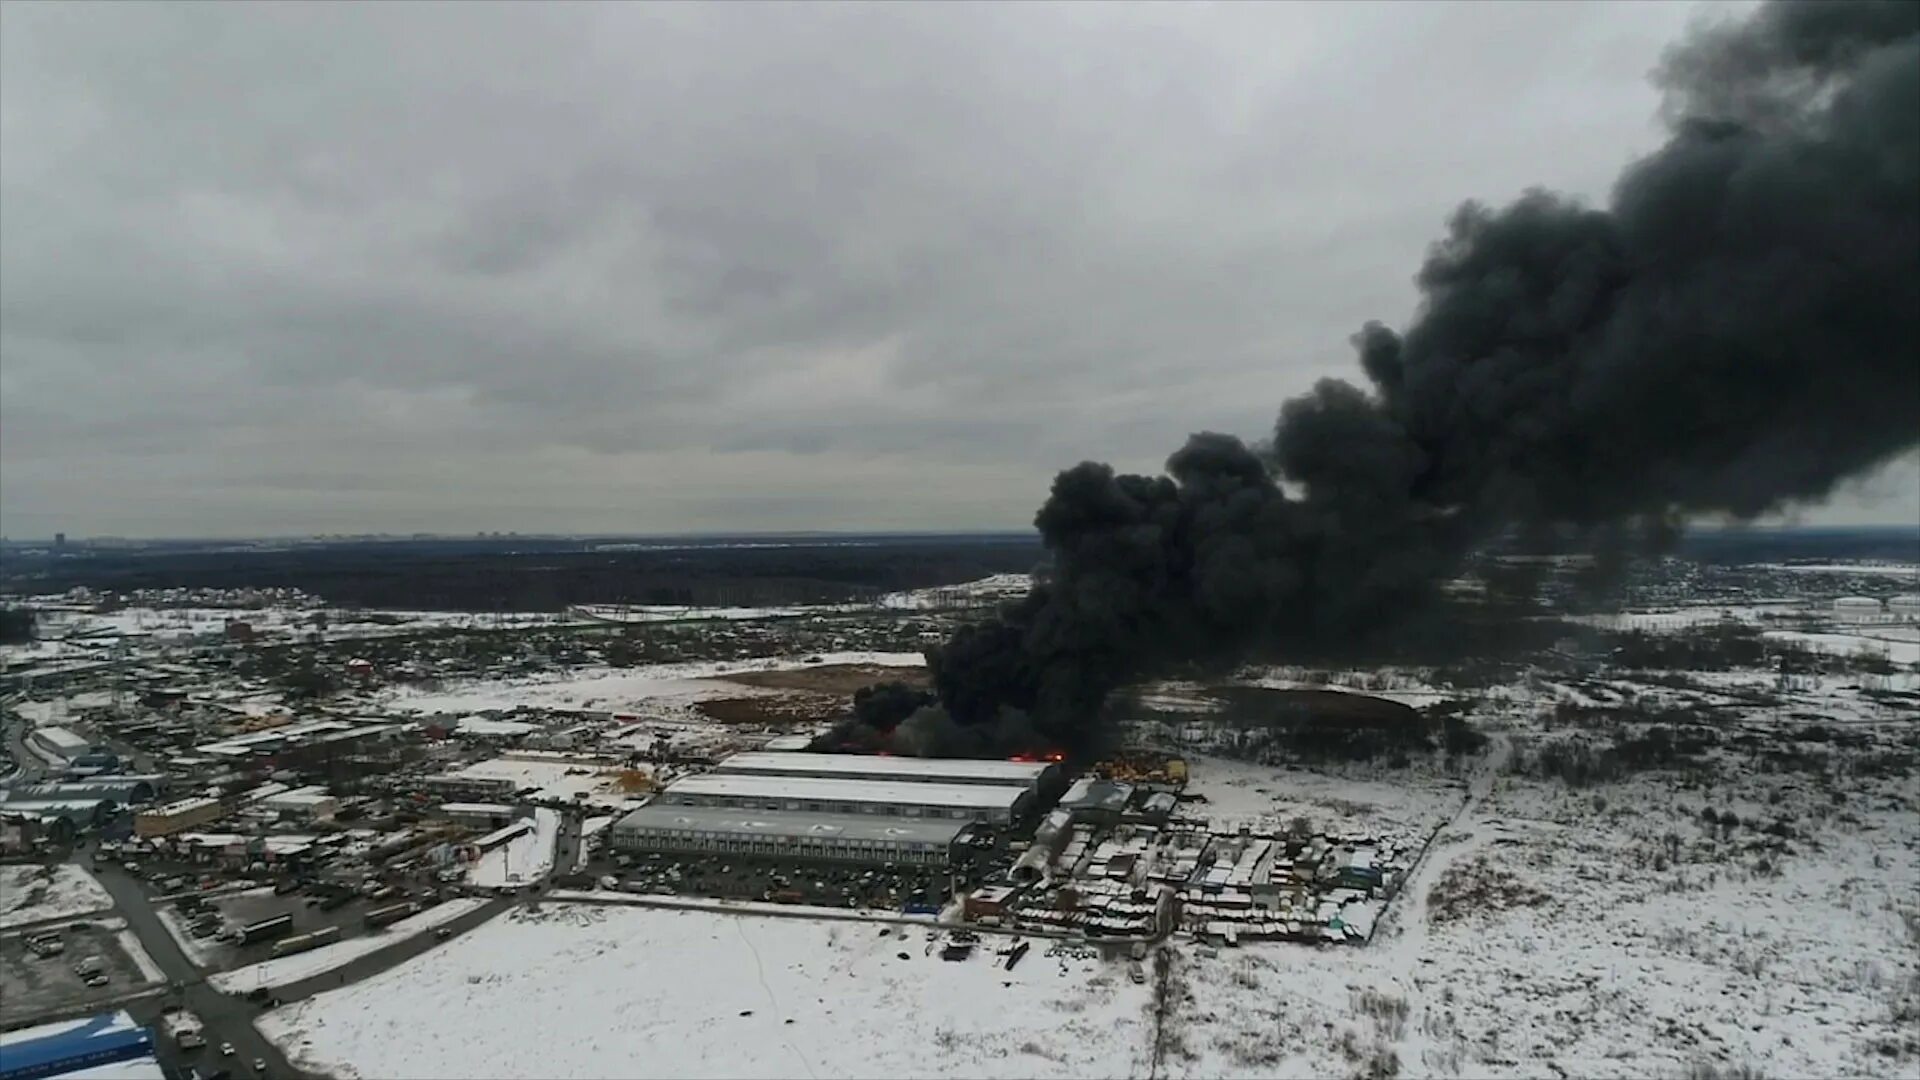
{"x":547,"y":574}
{"x":458,"y":576}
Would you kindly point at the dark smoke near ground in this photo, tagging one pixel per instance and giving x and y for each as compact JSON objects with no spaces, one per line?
{"x":1734,"y":334}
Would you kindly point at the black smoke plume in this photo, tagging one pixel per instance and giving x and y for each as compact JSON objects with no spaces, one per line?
{"x":1735,"y":333}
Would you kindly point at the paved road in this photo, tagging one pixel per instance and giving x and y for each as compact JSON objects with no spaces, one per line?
{"x":30,"y":765}
{"x":566,"y":846}
{"x":374,"y":963}
{"x":225,"y":1019}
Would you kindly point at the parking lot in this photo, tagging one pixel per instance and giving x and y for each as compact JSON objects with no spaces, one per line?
{"x":790,"y":881}
{"x":207,"y":923}
{"x":31,"y":984}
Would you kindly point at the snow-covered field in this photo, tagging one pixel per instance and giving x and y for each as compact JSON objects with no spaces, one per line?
{"x":587,"y":991}
{"x":1405,"y":802}
{"x":30,"y":894}
{"x":525,"y":858}
{"x":657,"y":689}
{"x":987,"y":590}
{"x":1899,"y":645}
{"x":650,"y":613}
{"x":1602,"y":932}
{"x":305,"y":965}
{"x":185,"y":624}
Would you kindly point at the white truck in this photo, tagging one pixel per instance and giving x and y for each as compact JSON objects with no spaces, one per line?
{"x":185,"y":1029}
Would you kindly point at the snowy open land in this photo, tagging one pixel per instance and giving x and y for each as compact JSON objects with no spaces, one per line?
{"x":1401,"y":802}
{"x":665,"y":690}
{"x":31,"y":894}
{"x":590,"y":991}
{"x":1602,"y":932}
{"x":186,"y":623}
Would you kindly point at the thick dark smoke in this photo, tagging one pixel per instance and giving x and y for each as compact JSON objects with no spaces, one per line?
{"x":1738,"y":332}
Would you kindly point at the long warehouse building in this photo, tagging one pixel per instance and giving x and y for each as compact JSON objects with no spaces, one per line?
{"x":855,"y":838}
{"x":1027,"y":774}
{"x":997,"y":805}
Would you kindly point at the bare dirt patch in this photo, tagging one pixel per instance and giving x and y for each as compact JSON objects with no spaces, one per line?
{"x":812,"y":694}
{"x":776,"y":710}
{"x":837,"y":679}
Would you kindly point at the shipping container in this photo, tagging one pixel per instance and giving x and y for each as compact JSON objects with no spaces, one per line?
{"x":303,"y":942}
{"x":265,"y":929}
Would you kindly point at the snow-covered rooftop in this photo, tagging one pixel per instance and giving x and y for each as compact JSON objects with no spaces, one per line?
{"x":803,"y":789}
{"x":782,"y":823}
{"x":877,"y":767}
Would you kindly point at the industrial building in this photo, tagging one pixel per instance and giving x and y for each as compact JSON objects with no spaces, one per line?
{"x":66,"y":1047}
{"x":313,"y":803}
{"x":460,"y":786}
{"x":308,"y":743}
{"x":996,"y":805}
{"x":125,"y":789}
{"x":1027,"y":774}
{"x":177,"y":817}
{"x":478,"y":815}
{"x":859,"y":838}
{"x":59,"y":742}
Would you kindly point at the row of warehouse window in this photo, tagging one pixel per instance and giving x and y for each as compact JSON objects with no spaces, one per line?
{"x":795,"y":841}
{"x":885,"y":809}
{"x":695,"y":840}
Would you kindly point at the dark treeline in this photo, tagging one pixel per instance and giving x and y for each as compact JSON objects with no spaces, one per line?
{"x":431,"y":577}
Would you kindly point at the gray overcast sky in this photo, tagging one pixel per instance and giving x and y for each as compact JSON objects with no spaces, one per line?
{"x":619,"y":268}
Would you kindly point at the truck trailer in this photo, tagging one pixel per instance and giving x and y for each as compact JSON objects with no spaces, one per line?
{"x":392,"y":913}
{"x":302,"y":942}
{"x":265,"y":929}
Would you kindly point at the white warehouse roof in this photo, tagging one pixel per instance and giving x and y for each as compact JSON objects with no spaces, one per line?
{"x":780,"y":823}
{"x":818,"y":789}
{"x":62,"y":739}
{"x":876,"y":767}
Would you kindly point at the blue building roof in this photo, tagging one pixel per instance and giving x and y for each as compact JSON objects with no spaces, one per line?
{"x":52,"y":1049}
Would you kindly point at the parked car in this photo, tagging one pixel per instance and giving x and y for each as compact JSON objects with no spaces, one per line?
{"x":226,"y":1049}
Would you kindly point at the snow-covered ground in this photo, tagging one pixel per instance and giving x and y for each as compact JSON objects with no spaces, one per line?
{"x":587,"y":991}
{"x":1401,"y":802}
{"x":987,"y":590}
{"x":31,"y":894}
{"x":1608,"y":931}
{"x":186,"y":624}
{"x":305,"y":965}
{"x":668,"y":689}
{"x":649,"y":613}
{"x":1910,"y":571}
{"x":1899,"y":645}
{"x":561,"y":780}
{"x":524,"y":859}
{"x":130,"y":944}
